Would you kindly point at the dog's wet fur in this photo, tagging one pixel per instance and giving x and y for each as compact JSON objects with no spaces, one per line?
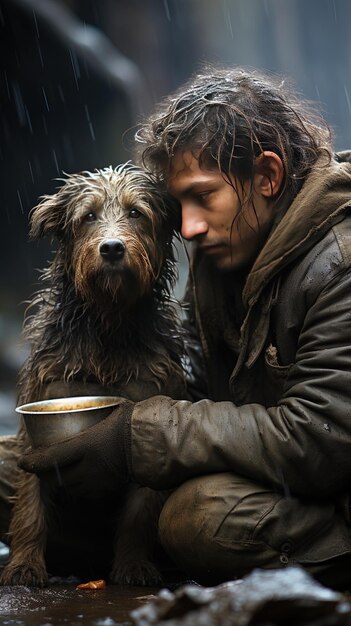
{"x":105,"y":322}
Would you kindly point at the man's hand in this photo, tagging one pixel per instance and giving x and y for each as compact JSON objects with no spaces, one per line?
{"x":91,"y":464}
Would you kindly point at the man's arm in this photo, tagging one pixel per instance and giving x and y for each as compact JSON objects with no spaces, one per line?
{"x":302,"y":444}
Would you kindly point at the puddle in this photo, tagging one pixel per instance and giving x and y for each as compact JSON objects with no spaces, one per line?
{"x":63,"y":604}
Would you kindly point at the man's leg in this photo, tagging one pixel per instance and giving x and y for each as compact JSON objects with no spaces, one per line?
{"x":221,"y":526}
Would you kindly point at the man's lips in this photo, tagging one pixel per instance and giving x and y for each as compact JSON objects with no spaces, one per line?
{"x":212,"y":248}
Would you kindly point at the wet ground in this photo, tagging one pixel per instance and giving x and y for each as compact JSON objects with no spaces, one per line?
{"x":63,"y":604}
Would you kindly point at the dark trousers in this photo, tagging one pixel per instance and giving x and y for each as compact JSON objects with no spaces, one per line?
{"x":217,"y":528}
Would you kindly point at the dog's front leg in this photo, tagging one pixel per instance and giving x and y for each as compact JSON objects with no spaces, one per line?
{"x":136,"y":538}
{"x":27,"y":534}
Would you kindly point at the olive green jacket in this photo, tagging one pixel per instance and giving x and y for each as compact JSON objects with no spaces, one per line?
{"x":273,"y":366}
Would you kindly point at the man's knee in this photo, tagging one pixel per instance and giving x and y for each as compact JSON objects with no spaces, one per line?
{"x":208,"y":525}
{"x":222,"y":526}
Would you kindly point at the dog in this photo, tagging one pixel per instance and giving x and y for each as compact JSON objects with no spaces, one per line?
{"x":105,"y":322}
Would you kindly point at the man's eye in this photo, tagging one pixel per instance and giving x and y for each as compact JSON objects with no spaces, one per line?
{"x":134,"y":213}
{"x":90,"y":217}
{"x":204,"y":195}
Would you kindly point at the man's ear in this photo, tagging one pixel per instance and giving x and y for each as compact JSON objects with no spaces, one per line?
{"x":269,"y":174}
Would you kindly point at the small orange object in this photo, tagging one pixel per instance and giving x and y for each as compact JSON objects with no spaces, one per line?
{"x":93,"y":584}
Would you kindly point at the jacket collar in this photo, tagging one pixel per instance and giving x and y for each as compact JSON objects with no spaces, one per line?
{"x":320,"y":204}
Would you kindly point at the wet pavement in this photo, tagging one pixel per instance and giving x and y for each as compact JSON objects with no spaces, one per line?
{"x":286,"y":597}
{"x":62,"y":604}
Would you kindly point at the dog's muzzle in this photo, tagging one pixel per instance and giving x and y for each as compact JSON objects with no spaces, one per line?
{"x":112,"y":250}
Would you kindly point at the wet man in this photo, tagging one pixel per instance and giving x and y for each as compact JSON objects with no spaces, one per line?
{"x":259,"y":460}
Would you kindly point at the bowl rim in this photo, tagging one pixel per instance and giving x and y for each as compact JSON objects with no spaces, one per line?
{"x":25,"y":409}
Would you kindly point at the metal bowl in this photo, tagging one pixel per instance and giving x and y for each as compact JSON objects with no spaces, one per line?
{"x":49,"y":421}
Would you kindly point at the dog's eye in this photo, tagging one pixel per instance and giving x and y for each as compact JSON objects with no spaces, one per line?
{"x":134,"y":213}
{"x":90,"y":217}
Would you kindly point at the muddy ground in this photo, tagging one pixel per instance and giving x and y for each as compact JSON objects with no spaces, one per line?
{"x":63,"y":604}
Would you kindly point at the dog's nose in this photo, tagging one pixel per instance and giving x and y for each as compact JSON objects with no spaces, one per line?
{"x":112,"y":249}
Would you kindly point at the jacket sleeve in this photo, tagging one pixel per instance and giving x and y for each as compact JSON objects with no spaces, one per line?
{"x":302,"y":445}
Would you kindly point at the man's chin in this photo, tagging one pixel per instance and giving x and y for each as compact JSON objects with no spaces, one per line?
{"x":230,"y":264}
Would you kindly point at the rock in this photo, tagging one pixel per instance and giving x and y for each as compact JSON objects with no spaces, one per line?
{"x":284,"y":597}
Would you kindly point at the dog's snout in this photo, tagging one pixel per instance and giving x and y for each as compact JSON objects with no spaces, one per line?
{"x":112,"y":249}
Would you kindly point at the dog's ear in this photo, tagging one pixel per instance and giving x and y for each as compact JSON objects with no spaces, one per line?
{"x":46,"y":217}
{"x":50,"y":216}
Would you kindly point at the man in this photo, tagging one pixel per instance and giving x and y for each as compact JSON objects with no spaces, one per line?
{"x":259,"y":461}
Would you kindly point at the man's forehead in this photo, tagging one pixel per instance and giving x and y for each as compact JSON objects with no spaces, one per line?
{"x":182,"y":161}
{"x":185,"y":168}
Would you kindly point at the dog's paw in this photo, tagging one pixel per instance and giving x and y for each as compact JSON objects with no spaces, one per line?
{"x":138,"y":573}
{"x":27,"y":575}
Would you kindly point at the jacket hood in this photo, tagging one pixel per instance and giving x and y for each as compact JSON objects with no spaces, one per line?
{"x":321,"y":203}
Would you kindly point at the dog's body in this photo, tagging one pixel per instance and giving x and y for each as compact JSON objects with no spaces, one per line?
{"x":105,"y":324}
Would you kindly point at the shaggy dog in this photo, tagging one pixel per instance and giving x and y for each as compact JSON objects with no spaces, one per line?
{"x":105,"y":323}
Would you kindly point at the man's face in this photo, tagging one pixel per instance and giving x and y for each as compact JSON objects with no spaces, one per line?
{"x":212,"y":214}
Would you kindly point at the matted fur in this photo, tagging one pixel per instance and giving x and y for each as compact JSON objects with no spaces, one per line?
{"x":96,"y":319}
{"x":104,"y":324}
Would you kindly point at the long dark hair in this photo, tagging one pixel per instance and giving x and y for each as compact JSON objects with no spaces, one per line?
{"x":226,"y":118}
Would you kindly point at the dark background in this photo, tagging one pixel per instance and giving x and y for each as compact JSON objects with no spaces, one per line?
{"x":77,"y":75}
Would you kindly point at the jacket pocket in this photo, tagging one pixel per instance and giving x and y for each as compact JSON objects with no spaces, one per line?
{"x":305,"y":533}
{"x":275,"y":376}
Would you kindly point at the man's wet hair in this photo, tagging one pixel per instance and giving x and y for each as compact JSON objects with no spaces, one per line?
{"x":227,"y":118}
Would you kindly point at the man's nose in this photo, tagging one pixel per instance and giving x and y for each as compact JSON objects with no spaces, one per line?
{"x":193,"y":223}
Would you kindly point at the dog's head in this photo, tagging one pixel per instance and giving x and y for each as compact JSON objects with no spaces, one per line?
{"x":115,"y":230}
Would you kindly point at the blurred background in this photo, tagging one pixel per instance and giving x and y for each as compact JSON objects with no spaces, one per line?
{"x":78,"y":75}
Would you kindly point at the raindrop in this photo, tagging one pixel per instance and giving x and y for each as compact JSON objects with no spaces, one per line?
{"x":347,"y":98}
{"x":60,"y":90}
{"x":55,"y":159}
{"x":20,"y":200}
{"x":86,"y":68}
{"x":36,"y":24}
{"x":29,"y":120}
{"x":19,"y":103}
{"x":31,"y":171}
{"x":7,"y":86}
{"x":227,"y":17}
{"x":168,"y":15}
{"x":335,"y":16}
{"x":40,"y":54}
{"x":317,"y":91}
{"x":75,"y":66}
{"x":45,"y":98}
{"x":89,"y":122}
